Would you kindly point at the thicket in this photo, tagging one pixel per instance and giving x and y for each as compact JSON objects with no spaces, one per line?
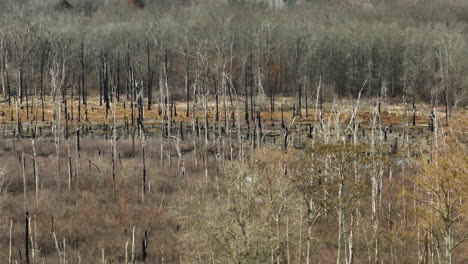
{"x":415,"y":50}
{"x":222,"y":201}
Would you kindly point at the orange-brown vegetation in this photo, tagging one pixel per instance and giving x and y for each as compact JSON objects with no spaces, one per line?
{"x":234,"y":201}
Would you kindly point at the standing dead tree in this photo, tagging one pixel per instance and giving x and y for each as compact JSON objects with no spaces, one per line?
{"x":57,"y":80}
{"x":150,"y":75}
{"x":45,"y":52}
{"x":81,"y":92}
{"x":4,"y":67}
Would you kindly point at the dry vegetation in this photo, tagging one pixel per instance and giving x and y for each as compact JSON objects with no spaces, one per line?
{"x":233,"y":132}
{"x":247,"y":201}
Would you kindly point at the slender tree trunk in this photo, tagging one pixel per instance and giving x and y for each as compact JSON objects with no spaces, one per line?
{"x":8,"y":86}
{"x":81,"y":91}
{"x":11,"y":244}
{"x":186,"y":79}
{"x":340,"y":252}
{"x":252,"y":104}
{"x":78,"y":154}
{"x":143,"y":139}
{"x":150,"y":76}
{"x":246,"y":93}
{"x":215,"y":83}
{"x":26,"y":238}
{"x":20,"y":83}
{"x":117,"y":92}
{"x":70,"y":169}
{"x":2,"y":66}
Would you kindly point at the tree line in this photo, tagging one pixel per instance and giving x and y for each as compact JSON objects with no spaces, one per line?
{"x":256,"y":50}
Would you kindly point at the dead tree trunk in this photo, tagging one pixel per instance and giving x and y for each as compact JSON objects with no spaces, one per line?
{"x":215,"y":83}
{"x":414,"y":109}
{"x":2,"y":66}
{"x":26,"y":238}
{"x":187,"y":72}
{"x":150,"y":76}
{"x":99,"y":74}
{"x":299,"y":44}
{"x":105,"y":81}
{"x":252,"y":103}
{"x":20,"y":83}
{"x":282,"y":116}
{"x":143,"y":139}
{"x":117,"y":84}
{"x":80,"y":92}
{"x":144,"y":247}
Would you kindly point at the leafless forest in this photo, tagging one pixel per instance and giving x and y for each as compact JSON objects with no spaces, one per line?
{"x":236,"y":131}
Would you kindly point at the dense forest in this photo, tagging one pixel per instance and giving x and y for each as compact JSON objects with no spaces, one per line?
{"x":235,"y":131}
{"x":397,"y":48}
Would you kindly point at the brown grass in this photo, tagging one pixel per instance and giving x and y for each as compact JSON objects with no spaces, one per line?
{"x":92,"y":216}
{"x":392,"y":114}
